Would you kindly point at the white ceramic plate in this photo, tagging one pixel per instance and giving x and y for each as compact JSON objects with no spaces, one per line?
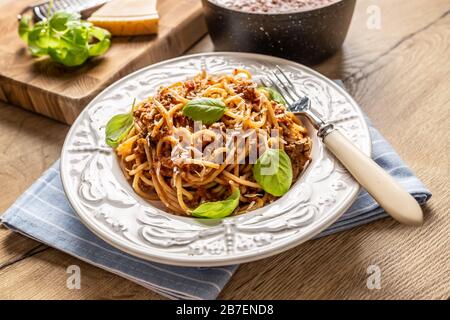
{"x":107,"y":204}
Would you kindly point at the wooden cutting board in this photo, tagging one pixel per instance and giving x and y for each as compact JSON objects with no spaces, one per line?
{"x":45,"y":87}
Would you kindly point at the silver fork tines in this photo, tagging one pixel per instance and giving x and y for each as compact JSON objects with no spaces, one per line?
{"x":289,"y":88}
{"x":286,"y":88}
{"x":298,"y":104}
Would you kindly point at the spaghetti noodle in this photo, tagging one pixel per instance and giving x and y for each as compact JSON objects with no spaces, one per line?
{"x":169,"y":157}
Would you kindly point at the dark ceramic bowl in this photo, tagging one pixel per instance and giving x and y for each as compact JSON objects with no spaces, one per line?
{"x":304,"y":36}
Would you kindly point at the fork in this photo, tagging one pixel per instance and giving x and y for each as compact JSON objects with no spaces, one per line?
{"x":398,"y":203}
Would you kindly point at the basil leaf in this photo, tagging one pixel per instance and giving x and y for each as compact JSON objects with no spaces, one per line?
{"x":99,"y":48}
{"x":207,"y":110}
{"x":39,"y":39}
{"x":65,"y":38}
{"x":99,"y":33}
{"x":103,"y":44}
{"x":274,"y":95}
{"x":218,"y":209}
{"x":273,"y":172}
{"x":69,"y":56}
{"x":24,"y":28}
{"x":117,"y":128}
{"x":59,"y":20}
{"x":75,"y":36}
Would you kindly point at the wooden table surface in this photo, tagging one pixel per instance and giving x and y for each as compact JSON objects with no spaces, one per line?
{"x":399,"y":74}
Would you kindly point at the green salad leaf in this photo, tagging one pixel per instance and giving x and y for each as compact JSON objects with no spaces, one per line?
{"x":118,"y":127}
{"x":218,"y":209}
{"x":24,"y":27}
{"x":103,"y":43}
{"x":64,"y":37}
{"x":273,"y":95}
{"x":39,"y":39}
{"x":207,"y":110}
{"x":273,"y":172}
{"x":68,"y":55}
{"x":59,"y":20}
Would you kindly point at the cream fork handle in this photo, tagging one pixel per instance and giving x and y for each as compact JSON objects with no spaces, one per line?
{"x":379,"y":184}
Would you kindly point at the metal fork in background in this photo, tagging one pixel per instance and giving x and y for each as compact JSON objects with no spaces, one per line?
{"x":84,"y":7}
{"x":378,"y":183}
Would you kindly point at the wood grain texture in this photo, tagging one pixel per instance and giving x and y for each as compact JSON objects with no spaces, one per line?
{"x":399,"y":75}
{"x":45,"y":87}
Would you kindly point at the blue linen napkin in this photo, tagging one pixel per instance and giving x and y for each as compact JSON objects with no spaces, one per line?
{"x":43,"y":213}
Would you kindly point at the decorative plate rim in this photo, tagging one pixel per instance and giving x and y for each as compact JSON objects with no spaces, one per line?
{"x":219,"y":260}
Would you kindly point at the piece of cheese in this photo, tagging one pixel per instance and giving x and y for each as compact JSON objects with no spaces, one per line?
{"x":127,"y":17}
